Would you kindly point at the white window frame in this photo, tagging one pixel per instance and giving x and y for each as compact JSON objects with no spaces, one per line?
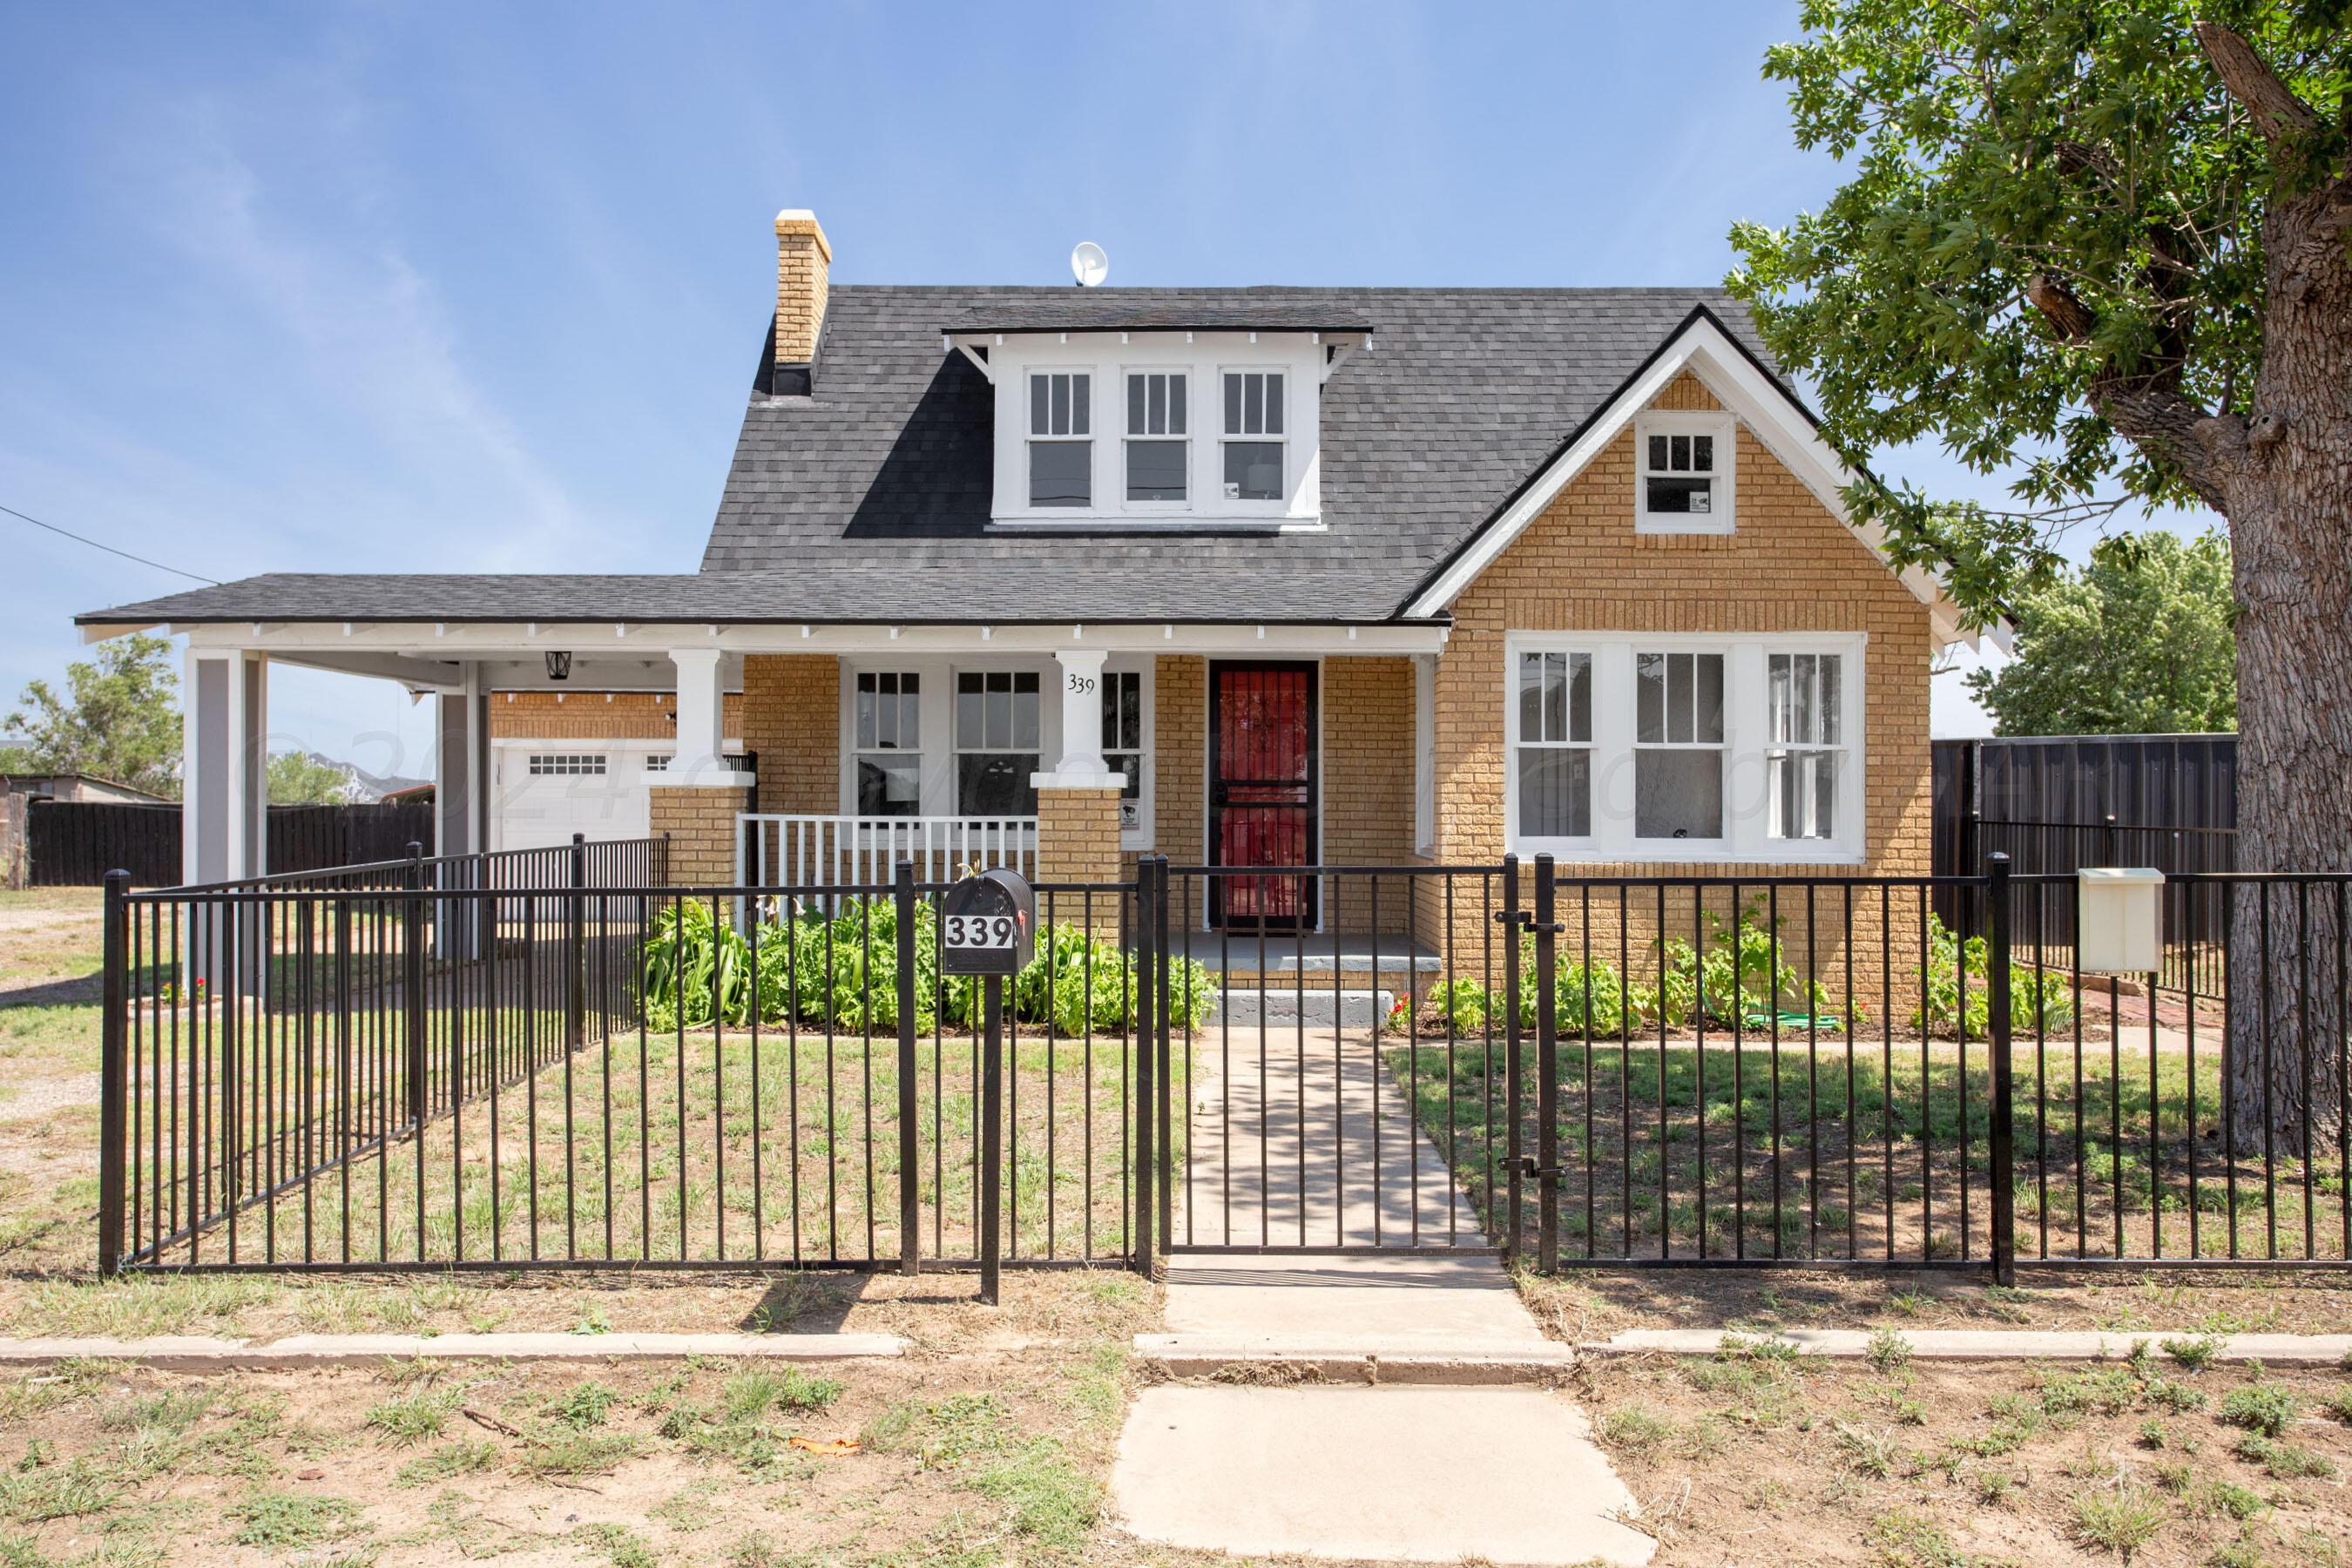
{"x":1136,"y":834}
{"x":1280,"y":439}
{"x":1720,"y":748}
{"x":1746,"y":743}
{"x":1589,"y":745}
{"x":859,"y":749}
{"x":566,"y":764}
{"x":1778,"y":750}
{"x":1178,"y":373}
{"x":1031,"y":438}
{"x":936,"y":708}
{"x":1722,"y":515}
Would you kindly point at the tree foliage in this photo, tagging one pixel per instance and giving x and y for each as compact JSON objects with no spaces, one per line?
{"x":297,"y":778}
{"x":2053,"y":234}
{"x":2136,"y":642}
{"x":119,"y":717}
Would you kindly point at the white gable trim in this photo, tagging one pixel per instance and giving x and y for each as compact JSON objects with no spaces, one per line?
{"x":1769,"y":414}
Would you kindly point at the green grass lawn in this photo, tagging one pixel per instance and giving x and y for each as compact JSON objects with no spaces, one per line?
{"x":1852,"y":1153}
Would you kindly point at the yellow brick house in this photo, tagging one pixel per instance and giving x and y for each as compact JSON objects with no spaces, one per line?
{"x":1260,"y":577}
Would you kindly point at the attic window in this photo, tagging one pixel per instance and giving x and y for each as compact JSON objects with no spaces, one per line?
{"x":1682,"y":473}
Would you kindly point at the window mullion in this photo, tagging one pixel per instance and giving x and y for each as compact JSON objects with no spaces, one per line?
{"x":1612,"y":750}
{"x":1746,"y":733}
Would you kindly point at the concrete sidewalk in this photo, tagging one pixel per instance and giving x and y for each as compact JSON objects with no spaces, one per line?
{"x":1300,"y":1136}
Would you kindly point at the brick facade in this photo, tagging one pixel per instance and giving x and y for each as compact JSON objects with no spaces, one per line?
{"x":596,"y":716}
{"x":1790,"y":566}
{"x":699,"y":823}
{"x":1078,"y":841}
{"x":792,"y":719}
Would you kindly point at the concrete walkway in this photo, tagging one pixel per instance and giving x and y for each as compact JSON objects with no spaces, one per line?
{"x":1395,"y":1468}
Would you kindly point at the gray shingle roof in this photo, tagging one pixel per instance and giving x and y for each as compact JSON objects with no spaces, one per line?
{"x":1166,"y":310}
{"x":868,"y":496}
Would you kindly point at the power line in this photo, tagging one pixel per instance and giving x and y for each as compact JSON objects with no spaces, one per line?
{"x":94,"y":545}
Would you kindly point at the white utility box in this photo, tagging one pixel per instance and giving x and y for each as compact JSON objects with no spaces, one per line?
{"x":2119,"y":919}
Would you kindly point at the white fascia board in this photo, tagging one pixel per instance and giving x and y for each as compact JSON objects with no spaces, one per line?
{"x":323,"y":642}
{"x":100,"y":633}
{"x":1770,"y":415}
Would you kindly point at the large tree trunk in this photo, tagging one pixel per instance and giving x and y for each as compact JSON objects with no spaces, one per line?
{"x":2287,"y":493}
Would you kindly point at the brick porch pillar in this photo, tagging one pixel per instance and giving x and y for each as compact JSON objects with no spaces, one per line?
{"x":1078,"y":841}
{"x":694,"y":801}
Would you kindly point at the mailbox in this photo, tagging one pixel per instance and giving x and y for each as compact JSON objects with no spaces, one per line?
{"x":988,"y":925}
{"x":2118,"y":920}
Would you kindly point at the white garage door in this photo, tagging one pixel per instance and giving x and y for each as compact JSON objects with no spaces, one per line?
{"x":547,"y":793}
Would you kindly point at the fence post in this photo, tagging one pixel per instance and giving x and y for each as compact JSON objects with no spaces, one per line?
{"x":911,"y":1224}
{"x":1513,"y":919}
{"x":114,"y":1056}
{"x":1547,"y":1067}
{"x":991,"y":1135}
{"x":575,"y":1000}
{"x":1996,"y":1027}
{"x":412,"y":1000}
{"x":1162,"y":961}
{"x":2110,"y":843}
{"x":1147,"y":1122}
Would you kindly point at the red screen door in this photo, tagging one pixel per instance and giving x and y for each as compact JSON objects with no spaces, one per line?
{"x":1262,"y":779}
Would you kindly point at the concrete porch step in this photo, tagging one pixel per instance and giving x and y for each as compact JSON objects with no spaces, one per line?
{"x":1356,"y":1006}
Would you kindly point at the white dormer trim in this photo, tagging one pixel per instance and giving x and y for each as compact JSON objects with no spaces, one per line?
{"x":1768,"y":413}
{"x":1203,"y":358}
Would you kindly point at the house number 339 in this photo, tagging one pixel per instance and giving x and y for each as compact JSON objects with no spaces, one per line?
{"x":1081,"y":684}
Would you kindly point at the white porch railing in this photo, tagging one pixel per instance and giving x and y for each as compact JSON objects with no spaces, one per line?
{"x":802,"y":851}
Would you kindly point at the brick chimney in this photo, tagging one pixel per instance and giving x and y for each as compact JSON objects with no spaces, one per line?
{"x":804,"y":262}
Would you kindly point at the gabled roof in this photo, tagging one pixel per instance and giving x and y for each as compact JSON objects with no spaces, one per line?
{"x":885,"y":464}
{"x":867,"y":498}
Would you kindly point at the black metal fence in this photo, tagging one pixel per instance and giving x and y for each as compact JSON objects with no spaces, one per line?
{"x":74,"y":844}
{"x":482,"y":1065}
{"x":421,"y":1067}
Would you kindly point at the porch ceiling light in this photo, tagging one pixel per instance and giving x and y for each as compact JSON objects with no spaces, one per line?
{"x":559,"y":664}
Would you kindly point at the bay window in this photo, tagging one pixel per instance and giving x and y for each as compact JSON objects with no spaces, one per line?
{"x":1683,"y":747}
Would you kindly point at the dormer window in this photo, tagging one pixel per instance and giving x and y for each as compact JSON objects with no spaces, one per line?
{"x":1173,"y":426}
{"x":1252,"y":466}
{"x":1683,"y":480}
{"x":1157,"y":455}
{"x":1061,"y":449}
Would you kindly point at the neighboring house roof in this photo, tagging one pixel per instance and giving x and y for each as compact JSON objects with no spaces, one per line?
{"x":869,"y":497}
{"x":32,"y":783}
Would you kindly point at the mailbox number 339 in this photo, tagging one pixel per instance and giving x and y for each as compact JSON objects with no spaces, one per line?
{"x":981,"y":930}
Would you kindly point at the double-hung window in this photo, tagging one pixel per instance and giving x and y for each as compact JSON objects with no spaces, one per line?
{"x":889,"y":743}
{"x":1254,"y":444}
{"x":996,"y":742}
{"x":1678,"y":750}
{"x":1555,"y":745}
{"x":1061,"y":445}
{"x":1122,"y":740}
{"x":1804,"y":697}
{"x":1684,"y":475}
{"x":1159,"y":458}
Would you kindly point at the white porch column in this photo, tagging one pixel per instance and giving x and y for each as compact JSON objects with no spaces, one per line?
{"x":1082,"y":766}
{"x":694,"y":802}
{"x":701,"y":704}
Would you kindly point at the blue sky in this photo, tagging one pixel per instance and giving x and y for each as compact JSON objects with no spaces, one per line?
{"x":386,"y":287}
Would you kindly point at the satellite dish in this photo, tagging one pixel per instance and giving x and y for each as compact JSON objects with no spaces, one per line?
{"x":1088,"y":265}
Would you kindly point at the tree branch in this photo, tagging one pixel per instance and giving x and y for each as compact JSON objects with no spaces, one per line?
{"x":2278,"y":114}
{"x":2068,"y":316}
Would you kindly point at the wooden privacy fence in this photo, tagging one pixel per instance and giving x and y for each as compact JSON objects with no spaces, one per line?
{"x":74,"y":844}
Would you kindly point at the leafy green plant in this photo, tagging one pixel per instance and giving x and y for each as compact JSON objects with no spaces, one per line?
{"x":2263,"y":1407}
{"x":1957,"y":991}
{"x":839,"y":966}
